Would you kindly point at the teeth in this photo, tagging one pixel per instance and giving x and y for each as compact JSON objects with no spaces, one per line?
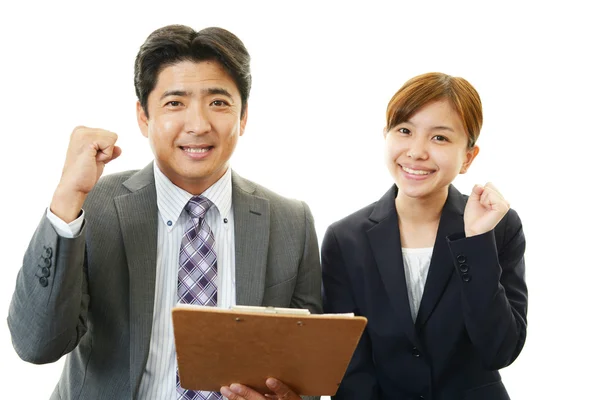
{"x":196,"y":149}
{"x":415,"y":171}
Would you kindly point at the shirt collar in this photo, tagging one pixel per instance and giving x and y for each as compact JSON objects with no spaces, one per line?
{"x":171,"y":199}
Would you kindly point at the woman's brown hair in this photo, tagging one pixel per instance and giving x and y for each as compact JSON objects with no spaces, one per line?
{"x":434,"y":86}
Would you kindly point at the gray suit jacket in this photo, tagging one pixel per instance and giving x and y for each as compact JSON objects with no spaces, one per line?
{"x":92,"y":297}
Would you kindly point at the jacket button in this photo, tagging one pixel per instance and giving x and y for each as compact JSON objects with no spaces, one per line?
{"x":43,"y":281}
{"x":45,"y":272}
{"x":415,"y":352}
{"x":461,"y":258}
{"x":47,"y":262}
{"x":463,"y":268}
{"x":466,"y":277}
{"x":48,"y":251}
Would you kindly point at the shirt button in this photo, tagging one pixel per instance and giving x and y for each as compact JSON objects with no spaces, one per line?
{"x":169,"y":223}
{"x":225,"y":220}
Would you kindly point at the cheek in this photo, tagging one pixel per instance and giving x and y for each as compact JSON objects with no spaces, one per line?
{"x":392,"y":151}
{"x":450,"y":161}
{"x":228,"y":128}
{"x":163,"y":127}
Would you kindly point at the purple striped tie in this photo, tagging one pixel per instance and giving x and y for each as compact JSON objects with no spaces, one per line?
{"x":197,"y":280}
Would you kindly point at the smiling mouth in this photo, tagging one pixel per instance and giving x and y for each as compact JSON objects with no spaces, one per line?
{"x":196,"y":150}
{"x":416,"y":171}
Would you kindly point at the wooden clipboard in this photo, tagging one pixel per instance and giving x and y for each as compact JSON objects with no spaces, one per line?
{"x":218,"y":347}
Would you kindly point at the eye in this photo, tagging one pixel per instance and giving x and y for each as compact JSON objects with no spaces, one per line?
{"x":403,"y":130}
{"x":440,"y":138}
{"x":219,"y":103}
{"x":174,"y":103}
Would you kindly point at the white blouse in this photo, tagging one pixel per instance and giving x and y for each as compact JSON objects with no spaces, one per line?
{"x":416,"y":267}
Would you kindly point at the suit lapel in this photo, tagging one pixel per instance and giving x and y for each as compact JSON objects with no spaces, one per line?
{"x":384,"y":239}
{"x":252,"y":219}
{"x":442,"y":267}
{"x":138,"y":217}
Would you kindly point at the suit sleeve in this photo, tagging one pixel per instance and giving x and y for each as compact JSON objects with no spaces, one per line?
{"x":307,"y":293}
{"x":494,"y":293}
{"x":48,"y":312}
{"x":360,"y":380}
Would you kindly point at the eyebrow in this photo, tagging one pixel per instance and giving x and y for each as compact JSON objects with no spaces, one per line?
{"x":442,"y":128}
{"x":435,"y":128}
{"x":209,"y":91}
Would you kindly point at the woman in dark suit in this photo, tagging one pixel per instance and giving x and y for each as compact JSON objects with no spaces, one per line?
{"x":439,"y":275}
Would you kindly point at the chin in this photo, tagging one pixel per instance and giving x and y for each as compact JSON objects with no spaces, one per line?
{"x":415,"y":192}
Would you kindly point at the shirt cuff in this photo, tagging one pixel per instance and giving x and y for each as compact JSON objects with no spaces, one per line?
{"x":62,"y":228}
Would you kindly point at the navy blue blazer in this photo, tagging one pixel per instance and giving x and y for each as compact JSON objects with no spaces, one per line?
{"x":472,"y":319}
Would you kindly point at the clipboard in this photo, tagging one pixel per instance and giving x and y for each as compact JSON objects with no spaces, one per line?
{"x":309,"y":353}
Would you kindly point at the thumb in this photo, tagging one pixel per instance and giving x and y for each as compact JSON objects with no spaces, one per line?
{"x":280,"y":389}
{"x":116,"y":152}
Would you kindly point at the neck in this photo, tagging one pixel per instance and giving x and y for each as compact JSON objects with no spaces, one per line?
{"x":193,"y":185}
{"x":421,"y":210}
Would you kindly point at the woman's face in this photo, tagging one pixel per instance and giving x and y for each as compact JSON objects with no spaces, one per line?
{"x":426,"y":153}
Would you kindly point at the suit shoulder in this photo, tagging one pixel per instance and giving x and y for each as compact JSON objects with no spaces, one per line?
{"x":355,"y":220}
{"x":275,"y":199}
{"x":117,"y":178}
{"x":110,"y":185}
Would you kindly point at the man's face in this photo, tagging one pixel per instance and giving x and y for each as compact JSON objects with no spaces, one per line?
{"x":193,"y":123}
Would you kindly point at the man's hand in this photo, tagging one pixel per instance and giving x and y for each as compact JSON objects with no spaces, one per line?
{"x":485,"y":208}
{"x":241,"y":392}
{"x":88,"y":152}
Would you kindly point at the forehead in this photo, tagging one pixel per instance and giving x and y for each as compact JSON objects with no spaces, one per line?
{"x":193,"y":76}
{"x":437,"y":112}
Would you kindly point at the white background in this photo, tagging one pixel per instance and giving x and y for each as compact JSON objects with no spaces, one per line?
{"x":323,"y":74}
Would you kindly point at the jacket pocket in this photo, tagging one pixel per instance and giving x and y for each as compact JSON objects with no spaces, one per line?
{"x":280,"y":294}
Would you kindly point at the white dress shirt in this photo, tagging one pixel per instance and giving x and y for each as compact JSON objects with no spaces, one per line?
{"x":416,"y":267}
{"x":158,"y":378}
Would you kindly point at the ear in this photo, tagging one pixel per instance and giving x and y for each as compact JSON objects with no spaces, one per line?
{"x":384,"y":131}
{"x":243,"y":121}
{"x":471,"y":154}
{"x":142,"y":118}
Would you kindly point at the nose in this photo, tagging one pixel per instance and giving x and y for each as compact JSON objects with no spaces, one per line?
{"x":197,"y":121}
{"x":417,"y":149}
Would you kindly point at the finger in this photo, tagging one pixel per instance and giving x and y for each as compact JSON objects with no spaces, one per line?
{"x":282,"y":391}
{"x":489,"y":186}
{"x":225,"y":391}
{"x":101,"y":136}
{"x":485,"y":199}
{"x":241,"y":392}
{"x":116,"y":153}
{"x":476,"y":192}
{"x":493,"y":200}
{"x":105,"y":139}
{"x":104,"y":154}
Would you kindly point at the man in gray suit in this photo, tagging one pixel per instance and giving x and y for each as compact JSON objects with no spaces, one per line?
{"x":108,"y":262}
